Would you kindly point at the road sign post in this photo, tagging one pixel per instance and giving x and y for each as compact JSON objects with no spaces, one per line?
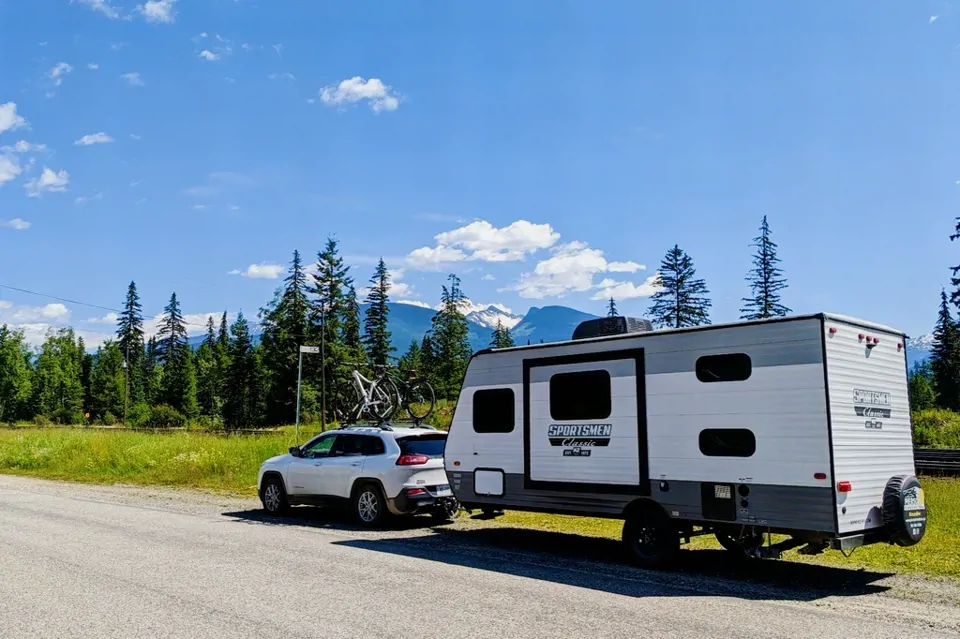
{"x":309,"y":350}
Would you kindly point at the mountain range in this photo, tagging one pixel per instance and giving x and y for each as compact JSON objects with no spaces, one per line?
{"x":409,"y":322}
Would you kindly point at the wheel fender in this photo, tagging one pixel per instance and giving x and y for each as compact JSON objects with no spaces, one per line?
{"x":644,"y":506}
{"x":267,"y":475}
{"x":360,"y":481}
{"x":904,"y":510}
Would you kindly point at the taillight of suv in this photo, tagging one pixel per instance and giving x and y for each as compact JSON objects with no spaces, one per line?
{"x":412,"y":460}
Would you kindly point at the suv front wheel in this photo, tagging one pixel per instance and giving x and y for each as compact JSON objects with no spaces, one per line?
{"x":369,"y":505}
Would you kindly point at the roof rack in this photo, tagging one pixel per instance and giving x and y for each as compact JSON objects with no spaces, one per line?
{"x":380,"y":426}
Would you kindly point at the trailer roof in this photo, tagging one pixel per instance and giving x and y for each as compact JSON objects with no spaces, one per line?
{"x":846,"y":319}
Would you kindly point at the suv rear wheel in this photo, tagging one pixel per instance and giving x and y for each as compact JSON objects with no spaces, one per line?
{"x":369,"y":505}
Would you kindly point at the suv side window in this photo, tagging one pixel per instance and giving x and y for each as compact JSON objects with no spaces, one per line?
{"x":320,"y":447}
{"x":352,"y":445}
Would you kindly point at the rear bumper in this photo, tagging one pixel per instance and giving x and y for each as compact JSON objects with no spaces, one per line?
{"x":855,"y":540}
{"x":429,"y":499}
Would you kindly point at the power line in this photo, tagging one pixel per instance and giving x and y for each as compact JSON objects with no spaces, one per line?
{"x":79,"y":303}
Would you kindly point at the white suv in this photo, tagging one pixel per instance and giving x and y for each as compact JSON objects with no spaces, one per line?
{"x":375,"y":469}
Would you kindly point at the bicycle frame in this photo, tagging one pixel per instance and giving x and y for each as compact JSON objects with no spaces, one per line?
{"x":366,"y":386}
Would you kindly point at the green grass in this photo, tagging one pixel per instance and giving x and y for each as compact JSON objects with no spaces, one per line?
{"x":229,"y":464}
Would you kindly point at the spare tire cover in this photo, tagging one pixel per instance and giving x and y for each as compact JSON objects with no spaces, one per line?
{"x":904,"y":510}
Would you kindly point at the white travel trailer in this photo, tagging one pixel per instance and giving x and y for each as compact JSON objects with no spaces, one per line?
{"x":797,"y":426}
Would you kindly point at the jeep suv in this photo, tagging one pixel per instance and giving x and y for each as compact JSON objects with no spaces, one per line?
{"x":376,"y":470}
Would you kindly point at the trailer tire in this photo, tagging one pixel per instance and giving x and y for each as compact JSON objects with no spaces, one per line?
{"x":904,"y":510}
{"x":651,"y":538}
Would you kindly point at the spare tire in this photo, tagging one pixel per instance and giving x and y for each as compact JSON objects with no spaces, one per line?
{"x":904,"y":510}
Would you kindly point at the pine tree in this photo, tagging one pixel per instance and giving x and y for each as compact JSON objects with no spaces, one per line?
{"x":152,"y":372}
{"x":331,"y":281}
{"x":108,"y":383}
{"x":209,"y":382}
{"x":376,"y":335}
{"x":240,"y":409}
{"x":501,"y":337}
{"x":955,"y":280}
{"x":16,"y":375}
{"x":130,"y":342}
{"x":411,"y":361}
{"x":86,"y":375}
{"x":352,"y":338}
{"x":766,"y":280}
{"x":922,"y":395}
{"x":223,"y":337}
{"x":284,"y":323}
{"x":58,"y":389}
{"x":179,"y":388}
{"x":449,"y":336}
{"x":945,"y":358}
{"x":612,"y":308}
{"x":682,"y":298}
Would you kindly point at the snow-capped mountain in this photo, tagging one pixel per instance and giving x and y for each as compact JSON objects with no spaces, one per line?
{"x":489,"y":316}
{"x":919,"y":348}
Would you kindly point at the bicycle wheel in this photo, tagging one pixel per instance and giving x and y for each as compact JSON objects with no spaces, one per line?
{"x":419,"y":399}
{"x":384,"y":400}
{"x":347,"y":403}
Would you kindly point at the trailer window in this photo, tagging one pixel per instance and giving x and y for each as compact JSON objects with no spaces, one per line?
{"x":733,"y":367}
{"x":493,"y":410}
{"x":727,"y":442}
{"x":581,"y":395}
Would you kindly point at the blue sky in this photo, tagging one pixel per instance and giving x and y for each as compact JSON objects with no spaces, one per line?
{"x":543,"y":150}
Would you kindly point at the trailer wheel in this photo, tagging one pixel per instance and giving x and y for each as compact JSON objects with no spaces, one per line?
{"x":651,"y":538}
{"x":904,"y":510}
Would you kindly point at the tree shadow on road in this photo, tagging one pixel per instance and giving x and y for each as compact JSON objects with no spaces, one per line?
{"x":591,"y":562}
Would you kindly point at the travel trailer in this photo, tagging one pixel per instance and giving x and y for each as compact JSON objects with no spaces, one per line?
{"x":795,"y":426}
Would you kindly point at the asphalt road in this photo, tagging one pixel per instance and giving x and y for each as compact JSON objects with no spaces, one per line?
{"x":78,"y":561}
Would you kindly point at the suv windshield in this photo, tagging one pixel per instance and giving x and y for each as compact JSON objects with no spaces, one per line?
{"x":429,"y":445}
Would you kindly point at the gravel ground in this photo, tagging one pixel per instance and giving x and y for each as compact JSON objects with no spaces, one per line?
{"x":118,"y":561}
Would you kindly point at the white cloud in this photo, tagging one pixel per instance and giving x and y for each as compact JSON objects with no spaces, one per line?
{"x":414,"y":303}
{"x":376,"y":93}
{"x":158,"y":11}
{"x":933,"y":19}
{"x":48,"y":181}
{"x":56,"y":73}
{"x":103,"y":6}
{"x":209,"y":55}
{"x":4,"y":304}
{"x":198,"y":207}
{"x":430,"y":258}
{"x":54,"y":311}
{"x":625,"y":267}
{"x":134,"y":136}
{"x":260,"y":271}
{"x":22,"y":146}
{"x":81,"y":200}
{"x":480,"y":240}
{"x":133,"y":79}
{"x":9,"y":119}
{"x":109,"y":318}
{"x":571,"y":268}
{"x":488,"y":278}
{"x":283,"y":76}
{"x":94,"y":138}
{"x":16,"y":224}
{"x":93,"y":66}
{"x":608,"y":288}
{"x":507,"y":244}
{"x":9,"y":168}
{"x":204,"y":34}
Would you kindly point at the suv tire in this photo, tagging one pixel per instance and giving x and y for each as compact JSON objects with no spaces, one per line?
{"x":369,"y":505}
{"x":274,"y":496}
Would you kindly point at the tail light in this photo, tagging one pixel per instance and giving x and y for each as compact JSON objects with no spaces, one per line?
{"x":819,"y":475}
{"x":412,"y":460}
{"x":415,"y":492}
{"x":844,"y":487}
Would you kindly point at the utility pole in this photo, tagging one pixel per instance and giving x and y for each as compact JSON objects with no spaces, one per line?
{"x":126,"y":382}
{"x":303,"y":349}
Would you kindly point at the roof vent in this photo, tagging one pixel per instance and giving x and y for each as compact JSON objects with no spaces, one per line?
{"x":603,"y":326}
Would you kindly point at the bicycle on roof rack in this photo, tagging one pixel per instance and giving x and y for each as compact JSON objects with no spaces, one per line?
{"x":379,"y":398}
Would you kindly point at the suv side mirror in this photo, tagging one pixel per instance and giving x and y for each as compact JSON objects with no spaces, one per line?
{"x":295,"y":451}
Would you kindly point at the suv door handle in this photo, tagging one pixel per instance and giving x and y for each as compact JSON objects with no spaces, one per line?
{"x":356,"y":464}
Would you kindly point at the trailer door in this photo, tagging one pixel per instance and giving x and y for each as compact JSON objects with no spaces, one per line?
{"x":585,"y":423}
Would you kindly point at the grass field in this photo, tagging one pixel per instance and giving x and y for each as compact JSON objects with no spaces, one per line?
{"x":230,"y":464}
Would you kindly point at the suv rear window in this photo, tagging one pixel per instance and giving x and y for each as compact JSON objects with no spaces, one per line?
{"x":429,"y":445}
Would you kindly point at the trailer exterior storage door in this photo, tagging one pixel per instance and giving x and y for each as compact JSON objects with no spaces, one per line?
{"x":584,"y":423}
{"x":869,"y":418}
